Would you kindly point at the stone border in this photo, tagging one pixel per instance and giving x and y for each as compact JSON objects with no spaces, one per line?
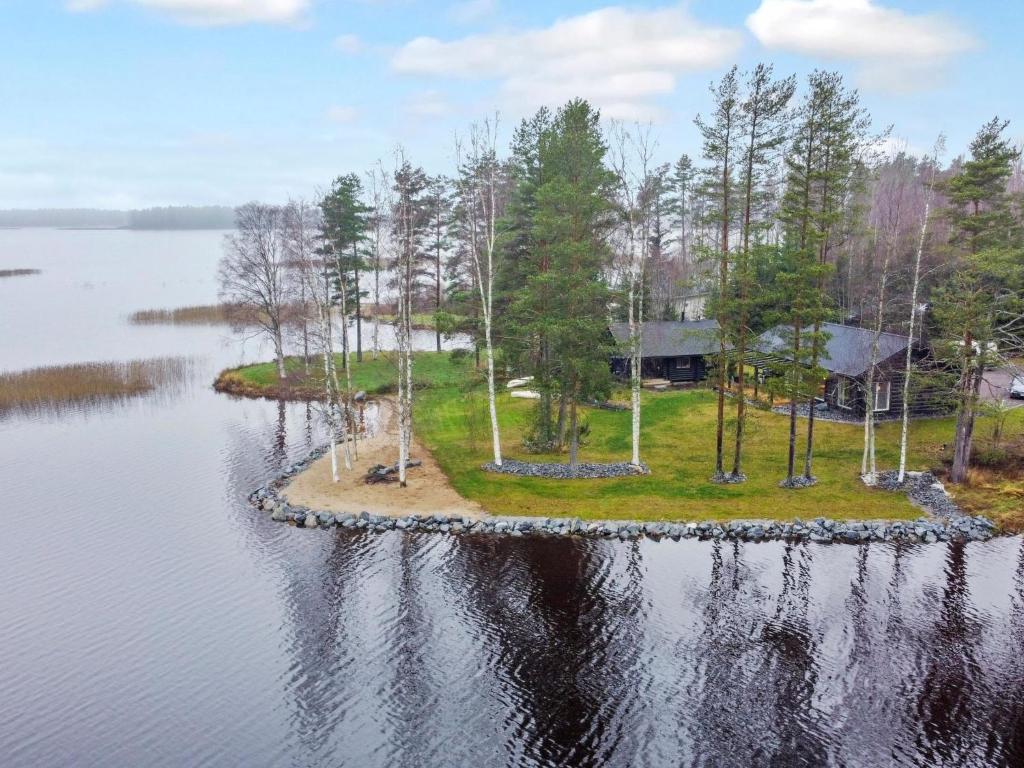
{"x":958,"y":527}
{"x":557,"y":471}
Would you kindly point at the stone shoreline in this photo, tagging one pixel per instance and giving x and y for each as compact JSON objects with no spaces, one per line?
{"x":921,"y":487}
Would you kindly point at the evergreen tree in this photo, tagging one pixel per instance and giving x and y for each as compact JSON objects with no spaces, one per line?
{"x":980,"y":303}
{"x":829,"y":132}
{"x":345,"y":221}
{"x":764,"y":116}
{"x":439,"y":204}
{"x":563,"y":303}
{"x":721,"y":137}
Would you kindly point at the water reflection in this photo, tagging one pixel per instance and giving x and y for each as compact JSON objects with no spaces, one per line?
{"x":152,"y":617}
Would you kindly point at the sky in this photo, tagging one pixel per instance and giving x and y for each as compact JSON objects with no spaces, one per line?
{"x":134,"y":103}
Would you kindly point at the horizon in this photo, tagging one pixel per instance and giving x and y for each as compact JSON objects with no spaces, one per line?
{"x":218,"y":102}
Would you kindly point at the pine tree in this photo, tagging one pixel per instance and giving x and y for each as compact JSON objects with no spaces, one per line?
{"x":563,"y":302}
{"x":980,"y":302}
{"x":764,"y":115}
{"x":721,"y":137}
{"x":345,"y":223}
{"x":439,"y":207}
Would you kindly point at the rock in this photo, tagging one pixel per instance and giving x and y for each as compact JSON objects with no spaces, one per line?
{"x":311,"y":521}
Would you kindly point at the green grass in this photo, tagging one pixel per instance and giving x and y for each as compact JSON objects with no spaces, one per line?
{"x":677,"y":443}
{"x":430,"y":369}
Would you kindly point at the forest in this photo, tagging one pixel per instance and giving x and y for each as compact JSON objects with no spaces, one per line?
{"x":167,"y":217}
{"x":798,"y":211}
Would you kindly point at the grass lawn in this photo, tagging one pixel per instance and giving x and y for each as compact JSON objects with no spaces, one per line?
{"x":677,"y":444}
{"x":374,"y":376}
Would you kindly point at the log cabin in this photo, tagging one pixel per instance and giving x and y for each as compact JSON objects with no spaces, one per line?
{"x":678,"y":352}
{"x":847,"y":361}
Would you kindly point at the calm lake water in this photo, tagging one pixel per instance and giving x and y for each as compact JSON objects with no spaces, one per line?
{"x":149,"y":617}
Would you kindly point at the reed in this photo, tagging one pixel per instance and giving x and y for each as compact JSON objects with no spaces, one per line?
{"x":59,"y":385}
{"x":19,"y":272}
{"x":203,"y":314}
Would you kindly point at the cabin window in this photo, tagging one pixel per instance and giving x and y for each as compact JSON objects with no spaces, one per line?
{"x":682,"y":363}
{"x":882,"y":391}
{"x":843,"y":394}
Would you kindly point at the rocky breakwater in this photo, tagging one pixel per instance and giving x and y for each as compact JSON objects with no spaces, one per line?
{"x":822,"y":530}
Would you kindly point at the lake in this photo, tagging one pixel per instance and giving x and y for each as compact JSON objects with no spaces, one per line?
{"x":149,"y":616}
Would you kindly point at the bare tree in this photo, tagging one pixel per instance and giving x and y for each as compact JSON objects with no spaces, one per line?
{"x":253,"y":274}
{"x":631,"y":160}
{"x":482,"y":199}
{"x":408,"y":223}
{"x":301,"y":228}
{"x":889,"y":204}
{"x":378,"y":188}
{"x":940,"y":144}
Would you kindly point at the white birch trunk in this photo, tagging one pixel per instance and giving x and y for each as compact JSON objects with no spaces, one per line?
{"x":905,"y":420}
{"x":868,"y":468}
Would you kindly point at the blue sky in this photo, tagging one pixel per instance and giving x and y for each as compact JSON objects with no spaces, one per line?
{"x":123,"y":103}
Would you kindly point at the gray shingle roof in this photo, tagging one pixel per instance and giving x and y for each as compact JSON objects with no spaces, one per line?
{"x":848,"y":349}
{"x":672,"y":338}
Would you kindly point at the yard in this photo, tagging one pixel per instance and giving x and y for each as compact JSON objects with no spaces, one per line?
{"x":678,"y":446}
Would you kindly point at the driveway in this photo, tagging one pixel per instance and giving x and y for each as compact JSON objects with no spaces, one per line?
{"x":996,"y":386}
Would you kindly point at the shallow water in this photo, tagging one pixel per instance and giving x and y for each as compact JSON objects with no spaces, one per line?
{"x":151,"y":617}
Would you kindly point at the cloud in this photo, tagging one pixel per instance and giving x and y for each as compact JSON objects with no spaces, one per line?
{"x":428,"y":104}
{"x":342,"y":114}
{"x":472,"y":11}
{"x":617,"y":57}
{"x":213,"y":12}
{"x":350,"y":44}
{"x":896,"y":50}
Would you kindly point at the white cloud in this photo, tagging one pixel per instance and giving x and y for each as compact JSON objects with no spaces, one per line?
{"x":342,"y":114}
{"x":896,"y":50}
{"x":350,"y":44}
{"x":617,"y":57}
{"x":428,"y":104}
{"x":213,"y":12}
{"x":472,"y":11}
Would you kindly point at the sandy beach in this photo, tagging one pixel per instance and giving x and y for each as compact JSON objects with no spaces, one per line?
{"x":427,"y":491}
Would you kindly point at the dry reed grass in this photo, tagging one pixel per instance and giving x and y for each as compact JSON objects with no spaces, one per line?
{"x":203,"y":314}
{"x":61,"y":385}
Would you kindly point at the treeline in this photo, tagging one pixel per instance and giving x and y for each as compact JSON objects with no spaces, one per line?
{"x":171,"y":217}
{"x":796,"y":214}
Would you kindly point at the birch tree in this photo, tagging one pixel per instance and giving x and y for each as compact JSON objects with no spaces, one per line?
{"x":887,"y":215}
{"x":301,"y":234}
{"x":253,"y":273}
{"x":631,"y":159}
{"x":482,"y":192}
{"x":929,"y":193}
{"x":378,"y":188}
{"x":408,"y":222}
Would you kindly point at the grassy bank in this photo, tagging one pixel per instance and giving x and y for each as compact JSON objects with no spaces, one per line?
{"x":677,"y":444}
{"x":430,"y":369}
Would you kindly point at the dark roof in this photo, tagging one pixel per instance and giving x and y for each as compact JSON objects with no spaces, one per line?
{"x":672,"y":338}
{"x":848,"y":349}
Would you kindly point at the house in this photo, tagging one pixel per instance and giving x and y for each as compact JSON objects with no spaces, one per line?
{"x":690,"y":306}
{"x":847,"y":360}
{"x":676,"y":351}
